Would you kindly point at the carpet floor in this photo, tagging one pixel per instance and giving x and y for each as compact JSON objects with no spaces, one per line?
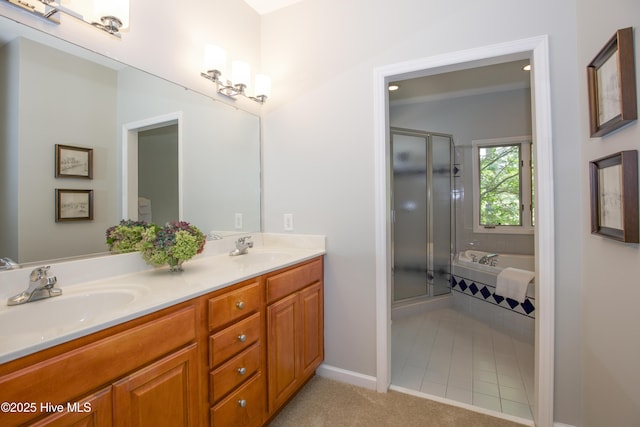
{"x":323,"y":403}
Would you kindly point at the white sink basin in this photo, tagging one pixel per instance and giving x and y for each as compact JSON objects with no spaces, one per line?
{"x":43,"y":319}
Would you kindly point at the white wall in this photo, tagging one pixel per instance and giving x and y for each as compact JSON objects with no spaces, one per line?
{"x":72,"y":84}
{"x":9,"y":151}
{"x":319,"y":148}
{"x":610,"y":347}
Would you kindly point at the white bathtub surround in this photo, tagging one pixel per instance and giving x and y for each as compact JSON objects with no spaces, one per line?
{"x":474,"y":292}
{"x":155,"y":288}
{"x":470,"y":258}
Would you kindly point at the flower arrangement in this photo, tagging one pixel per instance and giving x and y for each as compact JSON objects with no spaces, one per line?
{"x":126,"y":236}
{"x":172,"y":244}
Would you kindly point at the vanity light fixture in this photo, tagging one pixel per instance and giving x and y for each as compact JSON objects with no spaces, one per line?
{"x":215,"y":62}
{"x":393,"y":87}
{"x":526,"y":67}
{"x":110,"y":16}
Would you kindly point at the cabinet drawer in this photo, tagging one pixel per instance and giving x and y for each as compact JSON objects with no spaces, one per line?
{"x":290,"y":281}
{"x":234,"y":372}
{"x":244,"y":408}
{"x":234,"y":339}
{"x":234,"y":305}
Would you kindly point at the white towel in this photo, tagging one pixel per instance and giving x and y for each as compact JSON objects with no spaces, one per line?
{"x":513,"y":282}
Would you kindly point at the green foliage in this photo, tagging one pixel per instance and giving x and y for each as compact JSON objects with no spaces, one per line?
{"x":126,"y":236}
{"x":171,"y":244}
{"x":500,"y":185}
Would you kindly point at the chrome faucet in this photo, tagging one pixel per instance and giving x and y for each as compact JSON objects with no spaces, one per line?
{"x":41,"y":286}
{"x":489,"y":259}
{"x":7,"y":263}
{"x":242,"y":246}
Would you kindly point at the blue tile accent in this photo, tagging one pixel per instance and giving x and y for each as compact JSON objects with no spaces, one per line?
{"x":527,"y":306}
{"x":486,"y":293}
{"x":512,"y":303}
{"x":473,"y":288}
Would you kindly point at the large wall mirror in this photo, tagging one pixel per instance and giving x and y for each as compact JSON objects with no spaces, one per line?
{"x":157,"y":149}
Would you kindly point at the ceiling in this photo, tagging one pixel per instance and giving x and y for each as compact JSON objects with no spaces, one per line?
{"x":266,"y":6}
{"x":472,"y":81}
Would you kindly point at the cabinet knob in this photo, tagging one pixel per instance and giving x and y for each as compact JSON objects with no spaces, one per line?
{"x":242,"y":371}
{"x":240,"y":305}
{"x":242,"y":338}
{"x":242,"y":403}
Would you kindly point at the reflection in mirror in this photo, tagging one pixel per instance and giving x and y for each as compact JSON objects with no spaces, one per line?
{"x":53,"y":92}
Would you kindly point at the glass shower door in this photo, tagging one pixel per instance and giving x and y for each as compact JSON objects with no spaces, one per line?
{"x":421,"y":202}
{"x":410,"y":216}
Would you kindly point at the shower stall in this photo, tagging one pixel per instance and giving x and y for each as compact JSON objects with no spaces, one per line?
{"x":422,"y":214}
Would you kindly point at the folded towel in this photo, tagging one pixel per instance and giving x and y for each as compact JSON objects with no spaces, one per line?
{"x":513,"y":282}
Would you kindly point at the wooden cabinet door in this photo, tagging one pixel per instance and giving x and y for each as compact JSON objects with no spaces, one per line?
{"x":93,"y":411}
{"x":312,"y":328}
{"x":164,"y":393}
{"x":283,"y":360}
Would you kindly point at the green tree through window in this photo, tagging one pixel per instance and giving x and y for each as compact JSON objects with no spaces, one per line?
{"x":500,"y":185}
{"x":503,"y":185}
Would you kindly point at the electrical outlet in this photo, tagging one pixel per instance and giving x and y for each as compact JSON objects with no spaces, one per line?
{"x":238,"y":221}
{"x":288,"y":222}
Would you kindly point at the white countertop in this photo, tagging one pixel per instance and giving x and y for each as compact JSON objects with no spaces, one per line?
{"x":34,"y":326}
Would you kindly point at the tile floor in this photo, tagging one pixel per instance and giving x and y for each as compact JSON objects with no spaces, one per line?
{"x":451,"y":355}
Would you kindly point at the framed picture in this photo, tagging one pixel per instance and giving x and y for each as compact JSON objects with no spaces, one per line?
{"x":74,"y":205}
{"x":612,"y":85}
{"x":74,"y":162}
{"x":614,"y":196}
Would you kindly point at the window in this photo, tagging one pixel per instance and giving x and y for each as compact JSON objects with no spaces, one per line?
{"x":503,"y":185}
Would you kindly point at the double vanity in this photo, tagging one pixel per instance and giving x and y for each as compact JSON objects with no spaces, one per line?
{"x":227,"y":342}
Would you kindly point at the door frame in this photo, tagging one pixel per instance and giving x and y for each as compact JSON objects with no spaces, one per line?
{"x":129,"y":185}
{"x":537,"y":50}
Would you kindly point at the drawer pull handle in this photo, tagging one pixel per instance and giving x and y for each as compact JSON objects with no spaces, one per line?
{"x":242,"y":403}
{"x":242,"y":371}
{"x":242,"y":338}
{"x":240,"y":305}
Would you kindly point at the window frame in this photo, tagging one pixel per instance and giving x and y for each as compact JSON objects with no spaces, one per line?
{"x":526,"y":185}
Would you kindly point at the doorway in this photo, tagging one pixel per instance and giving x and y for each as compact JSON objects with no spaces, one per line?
{"x":151,"y":191}
{"x":537,"y":50}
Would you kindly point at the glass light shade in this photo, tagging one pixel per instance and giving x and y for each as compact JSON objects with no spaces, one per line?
{"x":116,"y":8}
{"x":215,"y":58}
{"x":240,"y":73}
{"x":263,"y":85}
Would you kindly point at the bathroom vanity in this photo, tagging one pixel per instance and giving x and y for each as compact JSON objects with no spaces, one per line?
{"x":231,"y":356}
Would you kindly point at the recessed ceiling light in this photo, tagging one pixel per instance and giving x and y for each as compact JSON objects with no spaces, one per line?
{"x":393,"y":87}
{"x":527,"y":67}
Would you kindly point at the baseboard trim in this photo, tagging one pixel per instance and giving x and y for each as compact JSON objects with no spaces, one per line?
{"x":345,"y":376}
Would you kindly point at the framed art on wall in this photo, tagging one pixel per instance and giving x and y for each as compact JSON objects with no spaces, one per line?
{"x":614,"y":196}
{"x":74,"y":205}
{"x":612,"y":85}
{"x":74,"y":162}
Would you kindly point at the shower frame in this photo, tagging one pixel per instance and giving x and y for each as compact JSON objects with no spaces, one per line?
{"x":429,"y":217}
